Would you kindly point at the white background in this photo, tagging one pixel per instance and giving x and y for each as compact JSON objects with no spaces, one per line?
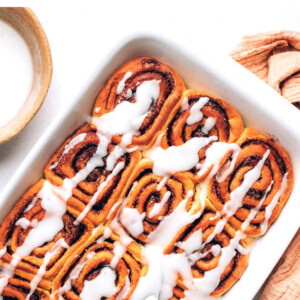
{"x":81,"y":34}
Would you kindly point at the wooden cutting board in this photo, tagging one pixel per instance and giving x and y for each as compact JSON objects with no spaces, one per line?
{"x":284,"y":281}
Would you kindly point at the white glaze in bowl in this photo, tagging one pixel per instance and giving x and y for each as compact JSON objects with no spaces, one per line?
{"x":33,"y":89}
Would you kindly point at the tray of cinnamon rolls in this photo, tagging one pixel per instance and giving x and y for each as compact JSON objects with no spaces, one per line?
{"x":161,"y":194}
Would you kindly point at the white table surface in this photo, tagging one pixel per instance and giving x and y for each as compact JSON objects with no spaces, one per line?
{"x":81,"y":34}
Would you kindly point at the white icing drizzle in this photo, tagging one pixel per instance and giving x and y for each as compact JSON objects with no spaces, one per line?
{"x":103,"y":184}
{"x":119,"y":250}
{"x":97,"y":109}
{"x":150,"y":284}
{"x":128,"y":94}
{"x":162,"y":273}
{"x":195,"y":112}
{"x":237,"y":195}
{"x":106,"y":234}
{"x":158,"y":206}
{"x":131,"y":189}
{"x":165,"y":232}
{"x":32,"y":204}
{"x":193,"y":243}
{"x":114,"y":208}
{"x":3,"y":281}
{"x":25,"y":223}
{"x":74,"y":275}
{"x":121,"y":84}
{"x":129,"y":116}
{"x":132,"y":220}
{"x":161,"y":276}
{"x":173,"y":264}
{"x":5,"y":274}
{"x":162,"y":183}
{"x":229,"y":166}
{"x":254,"y":211}
{"x":208,"y":125}
{"x":214,"y":155}
{"x":118,"y":229}
{"x":46,"y":229}
{"x":269,"y":209}
{"x":184,"y":104}
{"x":152,"y":297}
{"x":218,"y":229}
{"x":115,"y":155}
{"x":215,"y":250}
{"x":185,"y":156}
{"x":132,"y":149}
{"x":91,"y":288}
{"x":42,"y":270}
{"x":79,"y":267}
{"x":171,"y":224}
{"x":76,"y":140}
{"x":211,"y":280}
{"x":3,"y":251}
{"x":105,"y":280}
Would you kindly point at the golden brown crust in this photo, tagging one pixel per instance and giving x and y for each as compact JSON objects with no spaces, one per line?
{"x":254,"y":145}
{"x":142,"y":69}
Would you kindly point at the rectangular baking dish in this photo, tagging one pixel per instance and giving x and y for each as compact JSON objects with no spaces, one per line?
{"x":258,"y":104}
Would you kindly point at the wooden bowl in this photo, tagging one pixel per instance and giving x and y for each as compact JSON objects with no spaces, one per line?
{"x":26,"y":23}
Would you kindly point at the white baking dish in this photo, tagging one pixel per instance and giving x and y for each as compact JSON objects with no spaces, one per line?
{"x":259,"y":105}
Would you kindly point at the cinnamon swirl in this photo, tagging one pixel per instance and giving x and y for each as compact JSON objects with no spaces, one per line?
{"x":213,"y":247}
{"x":95,"y":194}
{"x":103,"y":261}
{"x":26,"y":259}
{"x":201,"y":115}
{"x":150,"y":198}
{"x":258,"y":186}
{"x":123,"y":86}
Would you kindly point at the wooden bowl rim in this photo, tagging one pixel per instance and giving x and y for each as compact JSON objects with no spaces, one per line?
{"x":34,"y":24}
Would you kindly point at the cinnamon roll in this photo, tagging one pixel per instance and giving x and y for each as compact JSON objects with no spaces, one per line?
{"x":259,"y":185}
{"x":26,"y":260}
{"x":212,"y":247}
{"x":103,"y":267}
{"x":201,"y":115}
{"x":99,"y":188}
{"x":123,"y":86}
{"x":150,"y":198}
